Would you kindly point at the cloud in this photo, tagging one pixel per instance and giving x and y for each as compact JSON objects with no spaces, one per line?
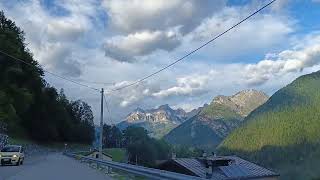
{"x":305,"y":54}
{"x":59,"y":56}
{"x":64,"y":30}
{"x":138,"y":15}
{"x":185,"y":86}
{"x":125,"y":48}
{"x":53,"y":39}
{"x":254,"y":35}
{"x":284,"y":62}
{"x":90,"y":41}
{"x":147,"y":37}
{"x":129,"y":96}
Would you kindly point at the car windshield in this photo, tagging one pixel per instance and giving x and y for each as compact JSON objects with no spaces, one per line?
{"x":11,"y":149}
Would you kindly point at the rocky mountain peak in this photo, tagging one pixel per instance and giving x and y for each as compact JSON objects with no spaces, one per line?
{"x":157,"y":121}
{"x":210,"y":124}
{"x":241,"y":103}
{"x":165,"y":107}
{"x":220,"y":99}
{"x":138,"y":109}
{"x":248,"y":100}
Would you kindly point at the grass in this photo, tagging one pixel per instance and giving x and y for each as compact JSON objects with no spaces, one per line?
{"x":125,"y":176}
{"x":118,"y":154}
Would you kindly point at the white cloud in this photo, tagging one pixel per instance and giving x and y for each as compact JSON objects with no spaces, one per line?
{"x":59,"y":57}
{"x":138,"y":15}
{"x":64,"y":30}
{"x":125,"y":48}
{"x":284,"y":62}
{"x":276,"y":66}
{"x":52,"y":39}
{"x":143,"y":37}
{"x":255,"y":35}
{"x":129,"y":96}
{"x":186,"y":85}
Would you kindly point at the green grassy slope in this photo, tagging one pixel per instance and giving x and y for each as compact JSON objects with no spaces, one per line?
{"x":219,"y":110}
{"x":283,"y":133}
{"x":194,"y":134}
{"x":118,"y":154}
{"x":214,"y":122}
{"x":207,"y":129}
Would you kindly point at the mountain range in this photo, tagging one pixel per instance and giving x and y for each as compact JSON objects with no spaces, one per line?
{"x":215,"y":121}
{"x":158,"y":122}
{"x":283,"y":133}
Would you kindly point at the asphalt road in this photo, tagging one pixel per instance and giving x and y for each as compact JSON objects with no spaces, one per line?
{"x":53,"y":166}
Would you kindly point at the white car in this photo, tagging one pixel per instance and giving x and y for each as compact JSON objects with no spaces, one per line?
{"x":12,"y":154}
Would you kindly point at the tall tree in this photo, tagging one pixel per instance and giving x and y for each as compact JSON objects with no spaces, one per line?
{"x":29,"y":106}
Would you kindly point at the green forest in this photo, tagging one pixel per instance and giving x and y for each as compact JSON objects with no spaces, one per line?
{"x":141,"y":148}
{"x":29,"y":106}
{"x":283,"y":134}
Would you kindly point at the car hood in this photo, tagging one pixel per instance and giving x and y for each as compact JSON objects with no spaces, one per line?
{"x":8,"y":153}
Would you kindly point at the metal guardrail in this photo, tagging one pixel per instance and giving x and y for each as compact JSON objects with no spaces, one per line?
{"x":137,"y":170}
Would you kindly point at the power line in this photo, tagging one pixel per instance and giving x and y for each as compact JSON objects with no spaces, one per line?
{"x":195,"y":50}
{"x":53,"y":74}
{"x":108,"y":109}
{"x":99,"y":83}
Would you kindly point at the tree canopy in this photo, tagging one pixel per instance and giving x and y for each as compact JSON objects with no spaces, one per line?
{"x":29,"y":106}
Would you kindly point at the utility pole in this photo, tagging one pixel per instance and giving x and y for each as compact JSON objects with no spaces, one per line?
{"x":101,"y":125}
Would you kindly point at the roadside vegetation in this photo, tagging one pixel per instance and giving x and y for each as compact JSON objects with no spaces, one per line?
{"x":29,"y":107}
{"x":140,"y":148}
{"x":118,"y":154}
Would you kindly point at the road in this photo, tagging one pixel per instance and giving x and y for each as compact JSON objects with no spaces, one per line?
{"x":53,"y":166}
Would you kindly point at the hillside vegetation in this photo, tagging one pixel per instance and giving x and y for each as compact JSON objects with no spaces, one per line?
{"x":29,"y":106}
{"x":283,"y":134}
{"x":215,"y":121}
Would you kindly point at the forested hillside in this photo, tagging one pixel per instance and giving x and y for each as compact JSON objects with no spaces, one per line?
{"x":29,"y":106}
{"x":283,"y":134}
{"x":215,"y":121}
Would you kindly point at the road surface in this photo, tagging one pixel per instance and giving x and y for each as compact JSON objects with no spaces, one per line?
{"x":53,"y":166}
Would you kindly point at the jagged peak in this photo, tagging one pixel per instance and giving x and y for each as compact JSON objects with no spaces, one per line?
{"x":249,"y":92}
{"x":165,"y":107}
{"x":138,"y":109}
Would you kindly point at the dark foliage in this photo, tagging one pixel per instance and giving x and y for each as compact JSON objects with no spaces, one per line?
{"x":141,"y":148}
{"x":113,"y":137}
{"x":29,"y":106}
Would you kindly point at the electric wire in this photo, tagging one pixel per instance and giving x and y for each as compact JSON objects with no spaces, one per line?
{"x":51,"y":73}
{"x":108,"y":108}
{"x":195,"y":50}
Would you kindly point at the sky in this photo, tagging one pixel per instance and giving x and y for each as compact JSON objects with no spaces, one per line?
{"x":111,"y":43}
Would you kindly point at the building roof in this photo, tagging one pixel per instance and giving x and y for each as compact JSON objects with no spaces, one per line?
{"x":239,"y":168}
{"x":193,"y":165}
